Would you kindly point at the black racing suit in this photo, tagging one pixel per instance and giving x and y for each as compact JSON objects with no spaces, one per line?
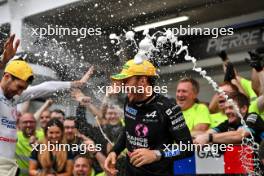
{"x":154,"y":124}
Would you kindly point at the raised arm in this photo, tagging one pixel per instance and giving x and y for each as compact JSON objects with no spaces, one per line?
{"x":256,"y":62}
{"x":86,"y":102}
{"x":44,"y":107}
{"x":43,"y":89}
{"x":110,"y":161}
{"x":10,"y":48}
{"x":23,"y":107}
{"x":49,"y":87}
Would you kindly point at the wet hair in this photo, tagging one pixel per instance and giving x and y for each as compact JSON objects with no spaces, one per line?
{"x":71,"y":118}
{"x":58,"y":111}
{"x":46,"y":110}
{"x":241,"y":99}
{"x":234,"y":88}
{"x":85,"y":156}
{"x":29,"y":80}
{"x":195,"y":84}
{"x":118,"y":110}
{"x":54,"y":122}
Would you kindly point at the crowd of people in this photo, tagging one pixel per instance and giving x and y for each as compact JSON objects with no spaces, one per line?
{"x":124,"y":141}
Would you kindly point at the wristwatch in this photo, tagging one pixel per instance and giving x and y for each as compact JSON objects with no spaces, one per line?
{"x":158,"y":154}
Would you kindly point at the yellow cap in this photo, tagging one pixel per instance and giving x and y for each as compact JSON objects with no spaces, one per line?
{"x":19,"y":69}
{"x":132,"y":69}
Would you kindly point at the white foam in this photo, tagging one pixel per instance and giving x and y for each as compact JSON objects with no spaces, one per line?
{"x":130,"y":35}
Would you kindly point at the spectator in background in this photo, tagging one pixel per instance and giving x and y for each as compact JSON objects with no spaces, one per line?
{"x":218,"y":101}
{"x":231,"y":131}
{"x":57,"y":114}
{"x":71,"y":131}
{"x":95,"y":136}
{"x":257,"y":62}
{"x":73,"y":137}
{"x":44,"y":118}
{"x":43,"y":114}
{"x":113,"y":126}
{"x":26,"y":136}
{"x":255,"y":89}
{"x":54,"y":162}
{"x":82,"y":166}
{"x":196,"y":114}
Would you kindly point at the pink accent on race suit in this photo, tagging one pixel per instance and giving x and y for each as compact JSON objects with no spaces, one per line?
{"x":141,"y":130}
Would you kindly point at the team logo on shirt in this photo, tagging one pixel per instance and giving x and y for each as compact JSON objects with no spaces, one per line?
{"x":168,"y":111}
{"x":178,"y":126}
{"x":252,"y":118}
{"x":131,"y":110}
{"x":8,"y":123}
{"x":175,"y":107}
{"x":141,"y":130}
{"x":177,"y":120}
{"x":152,"y":114}
{"x":150,"y":117}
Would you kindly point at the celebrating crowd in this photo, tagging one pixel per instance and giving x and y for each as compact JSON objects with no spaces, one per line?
{"x":128,"y":141}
